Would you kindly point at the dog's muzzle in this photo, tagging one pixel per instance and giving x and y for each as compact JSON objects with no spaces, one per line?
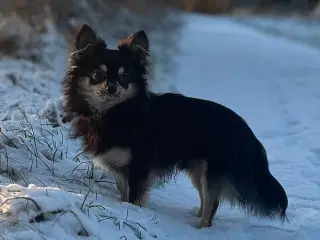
{"x":112,"y":88}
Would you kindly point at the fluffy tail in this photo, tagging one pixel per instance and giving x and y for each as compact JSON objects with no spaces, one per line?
{"x":258,"y":191}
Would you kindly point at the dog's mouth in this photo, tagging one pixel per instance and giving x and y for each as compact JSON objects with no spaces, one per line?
{"x":109,"y":94}
{"x":112,"y":92}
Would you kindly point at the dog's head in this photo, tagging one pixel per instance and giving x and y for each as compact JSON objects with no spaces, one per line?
{"x":100,"y":78}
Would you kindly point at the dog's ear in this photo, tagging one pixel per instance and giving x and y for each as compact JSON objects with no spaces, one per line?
{"x":137,"y":43}
{"x":86,"y":36}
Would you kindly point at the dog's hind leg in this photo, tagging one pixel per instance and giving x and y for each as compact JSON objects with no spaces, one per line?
{"x":211,"y":194}
{"x":195,"y":176}
{"x":215,"y":208}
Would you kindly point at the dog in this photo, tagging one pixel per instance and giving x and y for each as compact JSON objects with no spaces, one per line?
{"x":142,"y":136}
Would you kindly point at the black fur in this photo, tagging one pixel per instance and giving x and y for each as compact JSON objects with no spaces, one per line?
{"x":170,"y":132}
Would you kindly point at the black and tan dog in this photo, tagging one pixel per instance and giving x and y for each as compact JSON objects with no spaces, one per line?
{"x":140,"y":135}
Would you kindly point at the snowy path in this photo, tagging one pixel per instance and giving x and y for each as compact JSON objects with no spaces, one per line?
{"x":273,"y":83}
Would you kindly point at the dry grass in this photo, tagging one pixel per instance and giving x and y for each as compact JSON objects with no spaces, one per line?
{"x":112,"y":19}
{"x":18,"y":38}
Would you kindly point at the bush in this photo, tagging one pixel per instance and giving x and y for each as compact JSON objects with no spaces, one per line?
{"x":18,"y":39}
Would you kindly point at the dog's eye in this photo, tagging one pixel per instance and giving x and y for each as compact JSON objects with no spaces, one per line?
{"x":98,"y":76}
{"x":124,"y":80}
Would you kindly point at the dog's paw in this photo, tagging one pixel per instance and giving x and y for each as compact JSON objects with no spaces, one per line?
{"x":199,"y":213}
{"x":196,"y":212}
{"x":139,"y":203}
{"x":124,"y":198}
{"x":203,"y":224}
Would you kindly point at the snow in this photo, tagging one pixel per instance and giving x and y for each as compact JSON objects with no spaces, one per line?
{"x":50,"y":191}
{"x":304,"y":30}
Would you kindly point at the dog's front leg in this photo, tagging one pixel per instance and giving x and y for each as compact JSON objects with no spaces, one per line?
{"x":122,"y":179}
{"x":138,"y":185}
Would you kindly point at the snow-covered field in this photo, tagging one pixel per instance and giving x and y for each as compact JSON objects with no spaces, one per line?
{"x":272,"y":82}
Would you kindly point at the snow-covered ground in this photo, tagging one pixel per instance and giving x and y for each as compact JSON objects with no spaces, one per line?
{"x":304,"y":30}
{"x":272,"y":82}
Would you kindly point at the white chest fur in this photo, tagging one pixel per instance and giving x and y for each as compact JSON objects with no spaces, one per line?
{"x":115,"y":158}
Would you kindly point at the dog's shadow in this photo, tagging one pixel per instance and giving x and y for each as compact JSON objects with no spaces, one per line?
{"x":187,"y":215}
{"x":175,"y":211}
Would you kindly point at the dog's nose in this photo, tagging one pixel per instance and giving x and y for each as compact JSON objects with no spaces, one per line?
{"x":112,"y":88}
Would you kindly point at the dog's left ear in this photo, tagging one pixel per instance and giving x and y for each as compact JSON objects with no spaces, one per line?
{"x":85,"y":36}
{"x":137,"y":43}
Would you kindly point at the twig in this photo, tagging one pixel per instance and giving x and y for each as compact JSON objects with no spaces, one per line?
{"x":10,"y":141}
{"x":104,"y":181}
{"x":135,"y":229}
{"x":25,"y":198}
{"x":76,"y":216}
{"x":71,"y":171}
{"x":77,"y":180}
{"x":40,"y":181}
{"x":84,"y":200}
{"x":37,"y":229}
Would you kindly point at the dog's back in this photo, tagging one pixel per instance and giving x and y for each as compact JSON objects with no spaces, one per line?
{"x":190,"y":128}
